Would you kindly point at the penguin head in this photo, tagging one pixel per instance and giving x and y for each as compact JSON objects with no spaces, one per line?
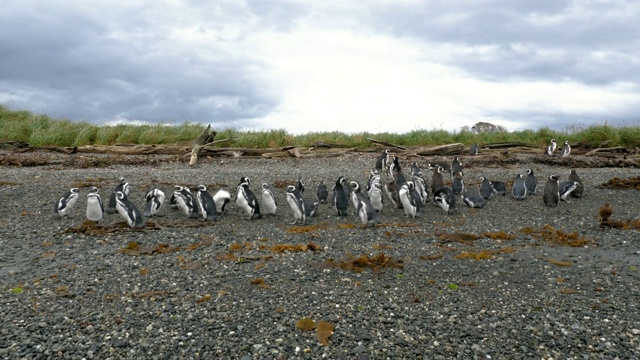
{"x":122,"y":180}
{"x":120,"y":195}
{"x":265,"y":186}
{"x":554,"y":178}
{"x":519,"y":176}
{"x":529,"y":172}
{"x":354,"y":185}
{"x":202,"y":188}
{"x":553,"y":141}
{"x":178,"y":188}
{"x":93,"y":190}
{"x":341,"y":180}
{"x":291,"y":188}
{"x":566,"y":142}
{"x":244,"y":181}
{"x":411,"y":185}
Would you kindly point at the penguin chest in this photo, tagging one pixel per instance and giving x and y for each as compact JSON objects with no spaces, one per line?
{"x":94,"y":209}
{"x":296,"y":207}
{"x":269,"y":202}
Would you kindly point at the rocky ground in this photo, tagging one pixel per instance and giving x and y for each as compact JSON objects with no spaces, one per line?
{"x":226,"y":290}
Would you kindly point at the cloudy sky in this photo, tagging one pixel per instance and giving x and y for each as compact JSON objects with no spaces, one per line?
{"x":309,"y":65}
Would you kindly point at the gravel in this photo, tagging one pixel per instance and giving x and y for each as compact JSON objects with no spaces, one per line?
{"x":73,"y":296}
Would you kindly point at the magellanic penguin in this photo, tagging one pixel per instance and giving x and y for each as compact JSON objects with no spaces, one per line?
{"x":458,"y":183}
{"x":566,"y":149}
{"x":551,"y":195}
{"x":221,"y":198}
{"x":374,"y":177}
{"x":185,"y":200}
{"x":395,"y":172}
{"x":473,"y":200}
{"x":123,"y":186}
{"x":339,"y":200}
{"x":297,"y":205}
{"x":552,"y":147}
{"x":392,"y":190}
{"x":64,"y":205}
{"x":322,"y":193}
{"x":473,"y":151}
{"x":95,"y":209}
{"x":269,"y":202}
{"x":310,"y":208}
{"x":566,"y":188}
{"x":300,"y":185}
{"x":376,"y":197}
{"x":456,"y":166}
{"x":436,"y":179}
{"x":353,"y":195}
{"x":128,"y":211}
{"x":155,"y":200}
{"x":531,"y":182}
{"x":382,"y":160}
{"x":367,"y":214}
{"x":499,"y":187}
{"x":246,"y":200}
{"x":206,"y":204}
{"x":408,"y":200}
{"x":421,"y":189}
{"x":486,"y":188}
{"x":415,"y":170}
{"x":573,"y":176}
{"x":445,"y":199}
{"x":519,"y":188}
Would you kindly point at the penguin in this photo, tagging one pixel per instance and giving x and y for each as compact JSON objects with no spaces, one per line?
{"x":395,"y":172}
{"x":551,"y":195}
{"x":246,"y":200}
{"x":445,"y":199}
{"x":531,"y":182}
{"x":486,"y":188}
{"x":473,"y":200}
{"x":381,"y":161}
{"x":206,"y":204}
{"x":375,"y":197}
{"x":310,"y":208}
{"x":95,"y":208}
{"x":499,"y":187}
{"x":297,"y":205}
{"x":473,"y":151}
{"x":566,"y":149}
{"x":269,"y":203}
{"x":519,"y":188}
{"x":421,"y":189}
{"x":367,"y":214}
{"x":155,"y":200}
{"x":408,"y":200}
{"x":566,"y":188}
{"x":415,"y":170}
{"x":221,"y":198}
{"x":552,"y":147}
{"x":128,"y":211}
{"x":392,"y":190}
{"x":573,"y":176}
{"x":458,"y":183}
{"x":436,"y":179}
{"x":300,"y":185}
{"x":374,"y":177}
{"x":322,"y":193}
{"x":64,"y":205}
{"x":456,"y":166}
{"x":185,"y":200}
{"x":123,"y":186}
{"x":339,"y":199}
{"x":355,"y":193}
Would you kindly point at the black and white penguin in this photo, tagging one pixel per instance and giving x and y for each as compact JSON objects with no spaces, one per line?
{"x":499,"y":187}
{"x":365,"y":211}
{"x":566,"y":149}
{"x":519,"y":188}
{"x":206,"y":204}
{"x":300,"y":185}
{"x":473,"y":151}
{"x":382,"y":160}
{"x":531,"y":182}
{"x":246,"y":200}
{"x":322,"y":193}
{"x":395,"y":171}
{"x":415,"y":170}
{"x":392,"y":190}
{"x":354,"y":194}
{"x":297,"y":205}
{"x":376,"y":197}
{"x":310,"y":208}
{"x":65,"y":204}
{"x":155,"y":200}
{"x":551,"y":195}
{"x":552,"y":147}
{"x":456,"y":166}
{"x":95,"y":208}
{"x":473,"y":200}
{"x":374,"y":177}
{"x":128,"y":210}
{"x":445,"y":199}
{"x":123,"y":186}
{"x":339,"y":200}
{"x":221,"y":198}
{"x":185,"y":200}
{"x":486,"y":188}
{"x":566,"y":188}
{"x":408,"y":200}
{"x":269,"y":202}
{"x":458,"y":183}
{"x":421,"y":189}
{"x":573,"y":176}
{"x":437,"y":180}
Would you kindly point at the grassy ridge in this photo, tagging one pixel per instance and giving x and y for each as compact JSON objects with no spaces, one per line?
{"x":41,"y":130}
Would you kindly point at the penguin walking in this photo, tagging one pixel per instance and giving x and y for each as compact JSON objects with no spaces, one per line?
{"x":473,"y":151}
{"x":531,"y":182}
{"x":155,"y":200}
{"x":185,"y":200}
{"x":573,"y":176}
{"x":566,"y":188}
{"x":445,"y":199}
{"x":376,"y":197}
{"x":65,"y":204}
{"x":382,"y":160}
{"x":206,"y":204}
{"x":246,"y":200}
{"x":421,"y":189}
{"x":566,"y":149}
{"x":95,"y":208}
{"x":499,"y":187}
{"x":473,"y":200}
{"x":436,"y":179}
{"x":519,"y":188}
{"x":128,"y":210}
{"x":367,"y":214}
{"x":456,"y":166}
{"x":221,"y":198}
{"x":552,"y":147}
{"x":486,"y":188}
{"x":297,"y":205}
{"x":551,"y":195}
{"x":322,"y":193}
{"x":123,"y":186}
{"x":339,"y":199}
{"x":458,"y":183}
{"x":408,"y":200}
{"x":269,"y":203}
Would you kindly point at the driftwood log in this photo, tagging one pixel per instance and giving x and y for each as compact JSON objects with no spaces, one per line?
{"x":203,"y":139}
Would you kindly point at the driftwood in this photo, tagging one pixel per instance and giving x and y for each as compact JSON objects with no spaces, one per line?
{"x":206,"y":137}
{"x":505,"y":145}
{"x":319,"y":144}
{"x":617,"y":149}
{"x":449,"y":149}
{"x":386,"y":144}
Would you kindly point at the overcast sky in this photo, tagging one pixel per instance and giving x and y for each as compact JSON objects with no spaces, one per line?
{"x":310,"y":65}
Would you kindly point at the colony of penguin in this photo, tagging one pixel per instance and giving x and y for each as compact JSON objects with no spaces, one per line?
{"x":411,"y":193}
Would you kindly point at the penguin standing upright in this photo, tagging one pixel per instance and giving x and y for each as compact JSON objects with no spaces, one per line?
{"x":473,"y":200}
{"x":375,"y":197}
{"x":421,"y":189}
{"x":531,"y":182}
{"x":566,"y":149}
{"x":486,"y":188}
{"x":436,"y":179}
{"x":339,"y":199}
{"x":552,"y":147}
{"x":551,"y":195}
{"x":353,"y":195}
{"x":365,"y":211}
{"x":297,"y":205}
{"x":458,"y":183}
{"x":381,"y":161}
{"x":322,"y":193}
{"x":185,"y":200}
{"x":246,"y":200}
{"x":123,"y":186}
{"x":206,"y":204}
{"x":519,"y":188}
{"x":392,"y":190}
{"x":445,"y":199}
{"x":573,"y":176}
{"x":128,"y":210}
{"x":64,"y":205}
{"x":408,"y":200}
{"x":310,"y":208}
{"x":300,"y":185}
{"x":95,"y":208}
{"x":269,"y":203}
{"x":473,"y":151}
{"x":155,"y":200}
{"x":221,"y":198}
{"x":374,"y":177}
{"x":415,"y":170}
{"x":456,"y":166}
